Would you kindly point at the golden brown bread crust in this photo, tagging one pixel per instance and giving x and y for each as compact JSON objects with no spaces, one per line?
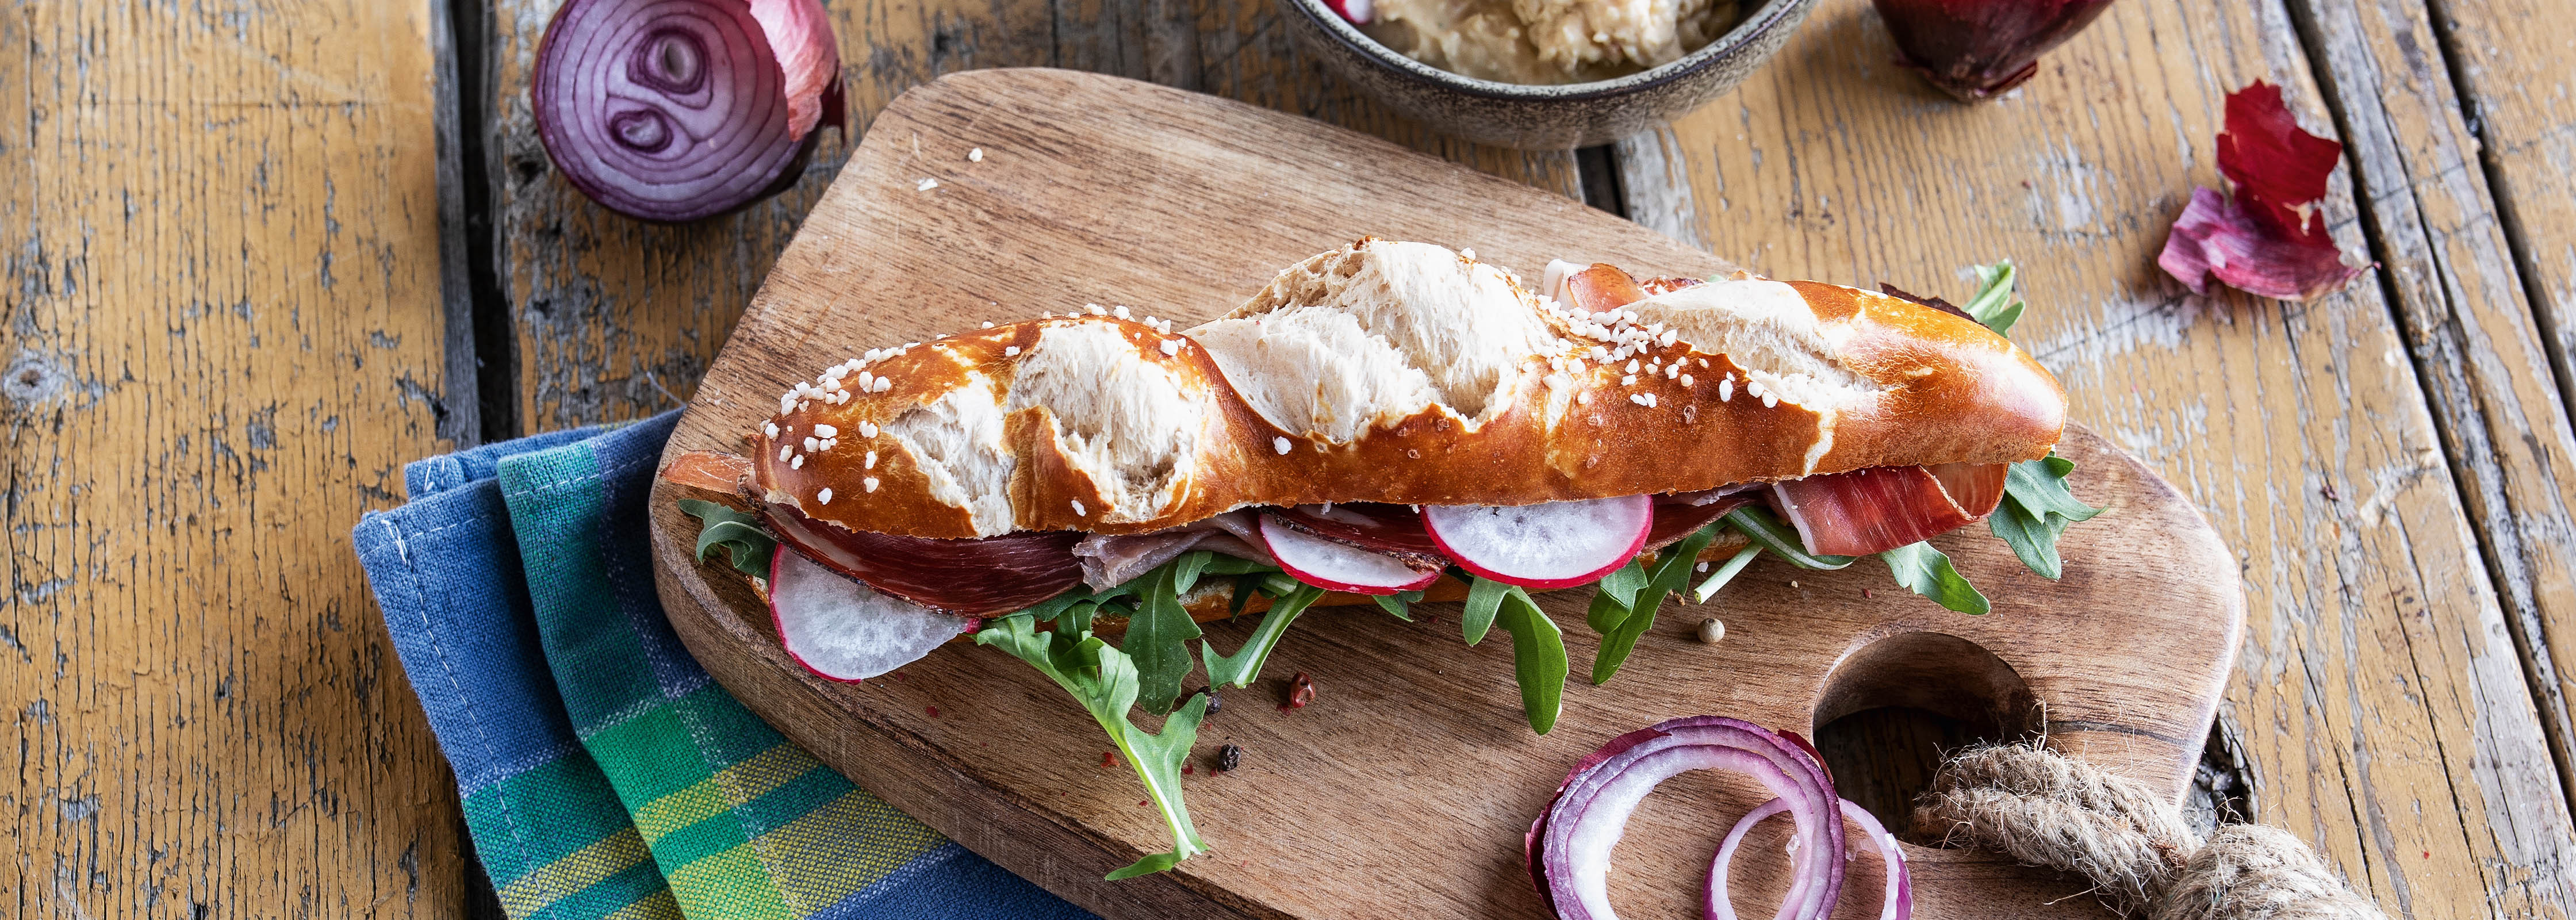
{"x":1933,"y":388}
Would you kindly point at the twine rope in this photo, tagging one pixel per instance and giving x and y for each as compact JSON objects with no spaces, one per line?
{"x":2046,"y":809}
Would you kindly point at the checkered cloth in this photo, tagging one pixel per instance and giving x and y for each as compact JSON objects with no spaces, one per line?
{"x":604,"y":774}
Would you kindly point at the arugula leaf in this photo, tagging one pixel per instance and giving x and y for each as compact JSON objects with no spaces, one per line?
{"x":1725,"y":573}
{"x":748,"y":546}
{"x":1994,"y":304}
{"x":1242,"y":667}
{"x":1399,"y":604}
{"x":1767,"y":532}
{"x":1670,"y":572}
{"x":1158,"y":636}
{"x":2036,"y":509}
{"x":1926,"y":571}
{"x":1185,"y":570}
{"x":1538,"y":658}
{"x":1613,"y":595}
{"x":1247,"y":585}
{"x":1232,"y":565}
{"x":1484,"y":597}
{"x":1105,"y":681}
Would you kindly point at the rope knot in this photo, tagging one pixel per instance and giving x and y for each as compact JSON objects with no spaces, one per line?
{"x":2046,"y":809}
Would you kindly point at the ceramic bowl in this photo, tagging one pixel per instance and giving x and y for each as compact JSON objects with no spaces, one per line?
{"x":1544,"y":117}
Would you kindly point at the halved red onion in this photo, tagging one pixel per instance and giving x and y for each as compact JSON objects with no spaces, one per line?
{"x":674,"y":110}
{"x":1572,"y":842}
{"x":1547,"y":545}
{"x":844,"y":630}
{"x":1979,"y":49}
{"x":1896,"y":903}
{"x":1337,"y":566}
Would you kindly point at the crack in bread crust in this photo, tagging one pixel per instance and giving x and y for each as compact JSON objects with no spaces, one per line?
{"x":1395,"y":372}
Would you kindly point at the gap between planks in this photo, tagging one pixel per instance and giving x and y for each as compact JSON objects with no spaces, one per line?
{"x":2461,"y":291}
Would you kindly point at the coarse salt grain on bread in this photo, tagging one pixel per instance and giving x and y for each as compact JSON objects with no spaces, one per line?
{"x":1403,"y":373}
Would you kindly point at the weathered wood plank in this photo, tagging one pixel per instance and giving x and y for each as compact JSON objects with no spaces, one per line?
{"x":2473,"y":335}
{"x":2384,"y":709}
{"x":2509,"y":62}
{"x":224,"y":336}
{"x":618,"y":319}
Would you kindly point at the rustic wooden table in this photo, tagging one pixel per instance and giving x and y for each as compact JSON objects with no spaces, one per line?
{"x":259,"y":254}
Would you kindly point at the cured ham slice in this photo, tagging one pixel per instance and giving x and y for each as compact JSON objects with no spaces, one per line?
{"x":1112,"y":560}
{"x":1884,"y":507}
{"x":709,"y":470}
{"x":974,"y":578}
{"x":1395,"y":530}
{"x":1678,"y":516}
{"x":1976,"y":487}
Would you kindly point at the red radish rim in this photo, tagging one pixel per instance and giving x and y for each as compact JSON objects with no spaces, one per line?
{"x":779,"y":627}
{"x":918,"y":630}
{"x":1634,"y":546}
{"x":1328,"y":584}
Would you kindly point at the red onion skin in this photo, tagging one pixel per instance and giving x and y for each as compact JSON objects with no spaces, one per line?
{"x":1979,"y":49}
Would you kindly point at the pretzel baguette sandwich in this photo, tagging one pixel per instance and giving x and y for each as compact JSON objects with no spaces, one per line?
{"x":1386,"y":421}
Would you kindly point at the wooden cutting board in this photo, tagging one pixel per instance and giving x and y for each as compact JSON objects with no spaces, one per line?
{"x":1404,"y":790}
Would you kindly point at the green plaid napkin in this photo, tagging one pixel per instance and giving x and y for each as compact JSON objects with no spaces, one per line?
{"x":604,"y":774}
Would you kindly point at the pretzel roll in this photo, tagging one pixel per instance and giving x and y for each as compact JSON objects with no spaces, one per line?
{"x":1395,"y":372}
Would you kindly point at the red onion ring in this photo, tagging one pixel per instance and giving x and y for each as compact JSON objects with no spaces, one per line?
{"x":1896,"y":904}
{"x":1569,"y":848}
{"x":675,"y":110}
{"x":1718,"y":907}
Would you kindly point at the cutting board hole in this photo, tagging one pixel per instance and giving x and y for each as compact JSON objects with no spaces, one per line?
{"x":1892,"y":710}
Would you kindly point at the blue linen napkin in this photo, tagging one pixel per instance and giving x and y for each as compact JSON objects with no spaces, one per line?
{"x":603,"y":773}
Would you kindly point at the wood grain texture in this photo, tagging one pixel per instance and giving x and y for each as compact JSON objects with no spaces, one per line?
{"x":2478,"y":347}
{"x":618,"y":318}
{"x":223,"y":338}
{"x":2509,"y":64}
{"x":2383,"y":704}
{"x":1113,"y":191}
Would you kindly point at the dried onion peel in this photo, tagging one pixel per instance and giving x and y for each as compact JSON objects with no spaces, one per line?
{"x":2268,"y":239}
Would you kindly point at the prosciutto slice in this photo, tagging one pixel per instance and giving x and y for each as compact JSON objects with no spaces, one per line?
{"x":1683,"y":514}
{"x":1394,"y":530}
{"x":1976,"y":487}
{"x":710,"y":470}
{"x":1881,"y":508}
{"x":1109,"y":561}
{"x":971,"y":578}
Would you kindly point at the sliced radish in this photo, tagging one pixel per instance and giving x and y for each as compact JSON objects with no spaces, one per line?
{"x":1547,"y":545}
{"x":1337,"y":566}
{"x":844,"y":630}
